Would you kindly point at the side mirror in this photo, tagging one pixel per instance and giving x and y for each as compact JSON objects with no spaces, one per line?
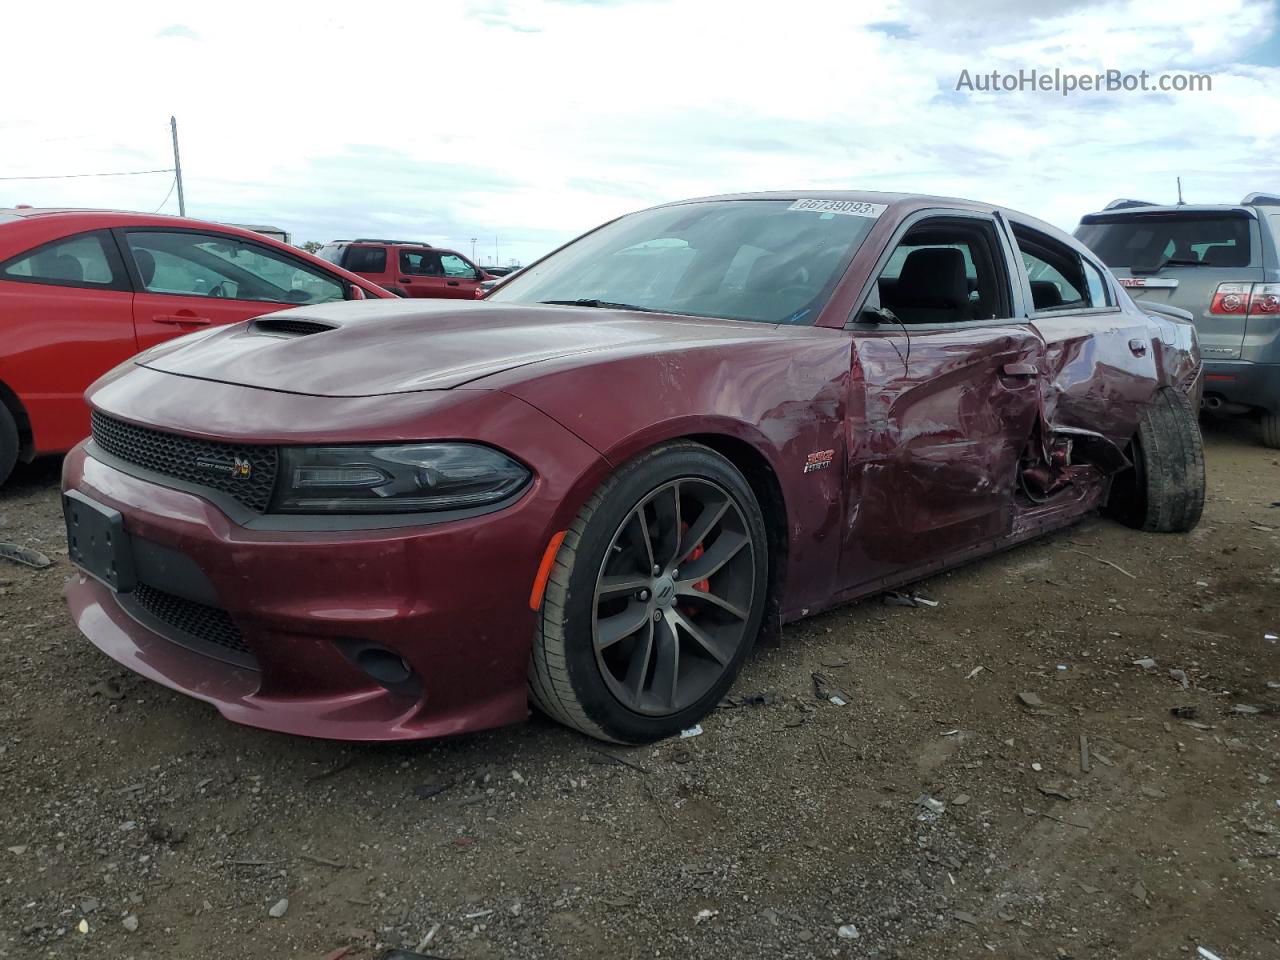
{"x":356,"y":292}
{"x":877,"y":315}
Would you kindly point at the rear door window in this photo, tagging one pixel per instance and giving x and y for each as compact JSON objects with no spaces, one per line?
{"x":421,"y":263}
{"x":1180,"y":239}
{"x":86,"y":260}
{"x":366,"y":259}
{"x":1060,"y":278}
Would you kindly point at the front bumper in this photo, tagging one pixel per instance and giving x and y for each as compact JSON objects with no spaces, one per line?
{"x":1242,"y":381}
{"x":450,"y":599}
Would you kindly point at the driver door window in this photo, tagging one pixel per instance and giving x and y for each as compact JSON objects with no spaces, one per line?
{"x":206,"y":265}
{"x":946,"y":270}
{"x":455,"y":266}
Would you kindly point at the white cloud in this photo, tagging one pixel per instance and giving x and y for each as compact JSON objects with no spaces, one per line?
{"x":533,"y":120}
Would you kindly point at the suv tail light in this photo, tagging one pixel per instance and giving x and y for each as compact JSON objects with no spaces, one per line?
{"x":1231,"y":298}
{"x":1265,"y":299}
{"x":1246,"y":298}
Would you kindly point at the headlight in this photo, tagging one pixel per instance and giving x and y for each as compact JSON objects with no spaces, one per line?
{"x":401,"y":478}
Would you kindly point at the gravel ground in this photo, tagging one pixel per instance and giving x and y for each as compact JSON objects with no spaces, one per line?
{"x":942,"y":812}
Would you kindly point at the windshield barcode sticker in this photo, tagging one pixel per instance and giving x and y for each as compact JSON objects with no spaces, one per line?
{"x":850,"y":208}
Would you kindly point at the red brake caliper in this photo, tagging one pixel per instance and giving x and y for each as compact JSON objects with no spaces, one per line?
{"x":694,"y":554}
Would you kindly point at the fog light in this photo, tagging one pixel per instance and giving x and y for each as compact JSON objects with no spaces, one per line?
{"x":384,"y":666}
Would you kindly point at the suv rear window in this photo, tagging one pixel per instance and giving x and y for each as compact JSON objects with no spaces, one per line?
{"x":1147,"y":240}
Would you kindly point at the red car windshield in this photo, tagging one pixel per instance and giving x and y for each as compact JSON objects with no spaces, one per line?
{"x":767,"y":261}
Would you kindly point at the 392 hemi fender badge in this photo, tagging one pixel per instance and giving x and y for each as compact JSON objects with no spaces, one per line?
{"x":819,"y":460}
{"x":237,"y":468}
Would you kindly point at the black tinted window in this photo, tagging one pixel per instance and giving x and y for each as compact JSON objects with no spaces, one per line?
{"x":1150,"y":239}
{"x":366,"y":259}
{"x":80,"y":261}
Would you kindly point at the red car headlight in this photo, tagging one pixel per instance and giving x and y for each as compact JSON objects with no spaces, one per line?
{"x":402,"y":478}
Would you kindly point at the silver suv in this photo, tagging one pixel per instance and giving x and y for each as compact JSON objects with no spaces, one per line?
{"x":1222,"y":264}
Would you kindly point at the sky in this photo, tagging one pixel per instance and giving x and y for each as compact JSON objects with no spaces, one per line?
{"x":523,"y":123}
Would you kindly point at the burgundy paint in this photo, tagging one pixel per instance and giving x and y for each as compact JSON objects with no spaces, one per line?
{"x":924,"y":473}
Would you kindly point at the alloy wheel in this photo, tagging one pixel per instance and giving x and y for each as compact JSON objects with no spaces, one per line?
{"x":673,"y":597}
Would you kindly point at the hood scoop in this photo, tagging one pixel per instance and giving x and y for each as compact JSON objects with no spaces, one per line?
{"x":377,"y":347}
{"x":289,"y":326}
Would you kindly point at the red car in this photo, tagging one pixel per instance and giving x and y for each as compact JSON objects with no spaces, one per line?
{"x":83,"y":290}
{"x":594,"y":488}
{"x":408,"y":268}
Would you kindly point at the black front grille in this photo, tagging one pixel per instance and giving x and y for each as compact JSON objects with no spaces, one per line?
{"x":208,"y":626}
{"x":205,"y":463}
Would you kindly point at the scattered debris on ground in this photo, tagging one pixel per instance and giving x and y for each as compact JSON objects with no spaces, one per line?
{"x":971,"y":800}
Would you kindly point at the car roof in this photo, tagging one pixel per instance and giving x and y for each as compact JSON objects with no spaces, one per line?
{"x":1133,"y":209}
{"x":92,"y":218}
{"x":905,"y":202}
{"x":865,"y":196}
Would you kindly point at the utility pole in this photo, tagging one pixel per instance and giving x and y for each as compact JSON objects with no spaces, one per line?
{"x":177,"y":167}
{"x":496,"y":261}
{"x":1179,"y":191}
{"x":473,"y":249}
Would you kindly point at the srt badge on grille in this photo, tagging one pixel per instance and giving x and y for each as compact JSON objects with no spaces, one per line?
{"x":237,"y":468}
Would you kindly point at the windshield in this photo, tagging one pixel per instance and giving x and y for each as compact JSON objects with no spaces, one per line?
{"x":1148,"y":240}
{"x":757,"y":260}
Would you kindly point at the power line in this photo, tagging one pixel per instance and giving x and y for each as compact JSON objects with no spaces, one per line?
{"x":73,"y":176}
{"x":172,"y":183}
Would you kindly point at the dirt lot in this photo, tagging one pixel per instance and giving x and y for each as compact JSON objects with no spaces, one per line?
{"x":172,"y":833}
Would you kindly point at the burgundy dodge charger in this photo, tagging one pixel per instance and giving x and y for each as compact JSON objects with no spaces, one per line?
{"x":592,"y":490}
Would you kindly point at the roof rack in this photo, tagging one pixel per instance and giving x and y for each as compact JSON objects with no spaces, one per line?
{"x":1258,"y":199}
{"x":410,"y":243}
{"x":1123,"y":204}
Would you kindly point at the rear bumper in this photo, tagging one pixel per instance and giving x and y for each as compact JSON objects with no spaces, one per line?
{"x":450,"y":600}
{"x":1242,"y":381}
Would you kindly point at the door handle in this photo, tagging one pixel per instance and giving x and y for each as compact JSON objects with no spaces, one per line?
{"x":1019,"y":370}
{"x":452,"y":283}
{"x":180,"y":318}
{"x":404,"y":279}
{"x":1138,"y":347}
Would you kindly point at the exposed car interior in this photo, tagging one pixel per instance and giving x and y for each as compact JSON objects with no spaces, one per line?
{"x":1056,"y":273}
{"x":946,"y":270}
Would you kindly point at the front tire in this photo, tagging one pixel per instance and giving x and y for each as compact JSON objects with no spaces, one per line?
{"x":1164,"y":491}
{"x":654,"y":600}
{"x":8,"y":443}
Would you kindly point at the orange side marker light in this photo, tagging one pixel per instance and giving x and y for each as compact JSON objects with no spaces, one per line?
{"x":544,"y":570}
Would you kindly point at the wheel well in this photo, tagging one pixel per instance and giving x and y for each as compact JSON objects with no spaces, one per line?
{"x":26,"y":440}
{"x":764,"y":484}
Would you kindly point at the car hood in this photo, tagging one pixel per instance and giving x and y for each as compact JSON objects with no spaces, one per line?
{"x":378,"y":347}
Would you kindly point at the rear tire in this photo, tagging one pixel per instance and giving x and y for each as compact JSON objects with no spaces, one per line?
{"x":628,"y":653}
{"x":1164,"y":491}
{"x":8,"y":443}
{"x":1271,"y":430}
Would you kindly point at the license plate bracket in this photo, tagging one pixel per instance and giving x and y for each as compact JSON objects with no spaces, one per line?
{"x":97,"y":542}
